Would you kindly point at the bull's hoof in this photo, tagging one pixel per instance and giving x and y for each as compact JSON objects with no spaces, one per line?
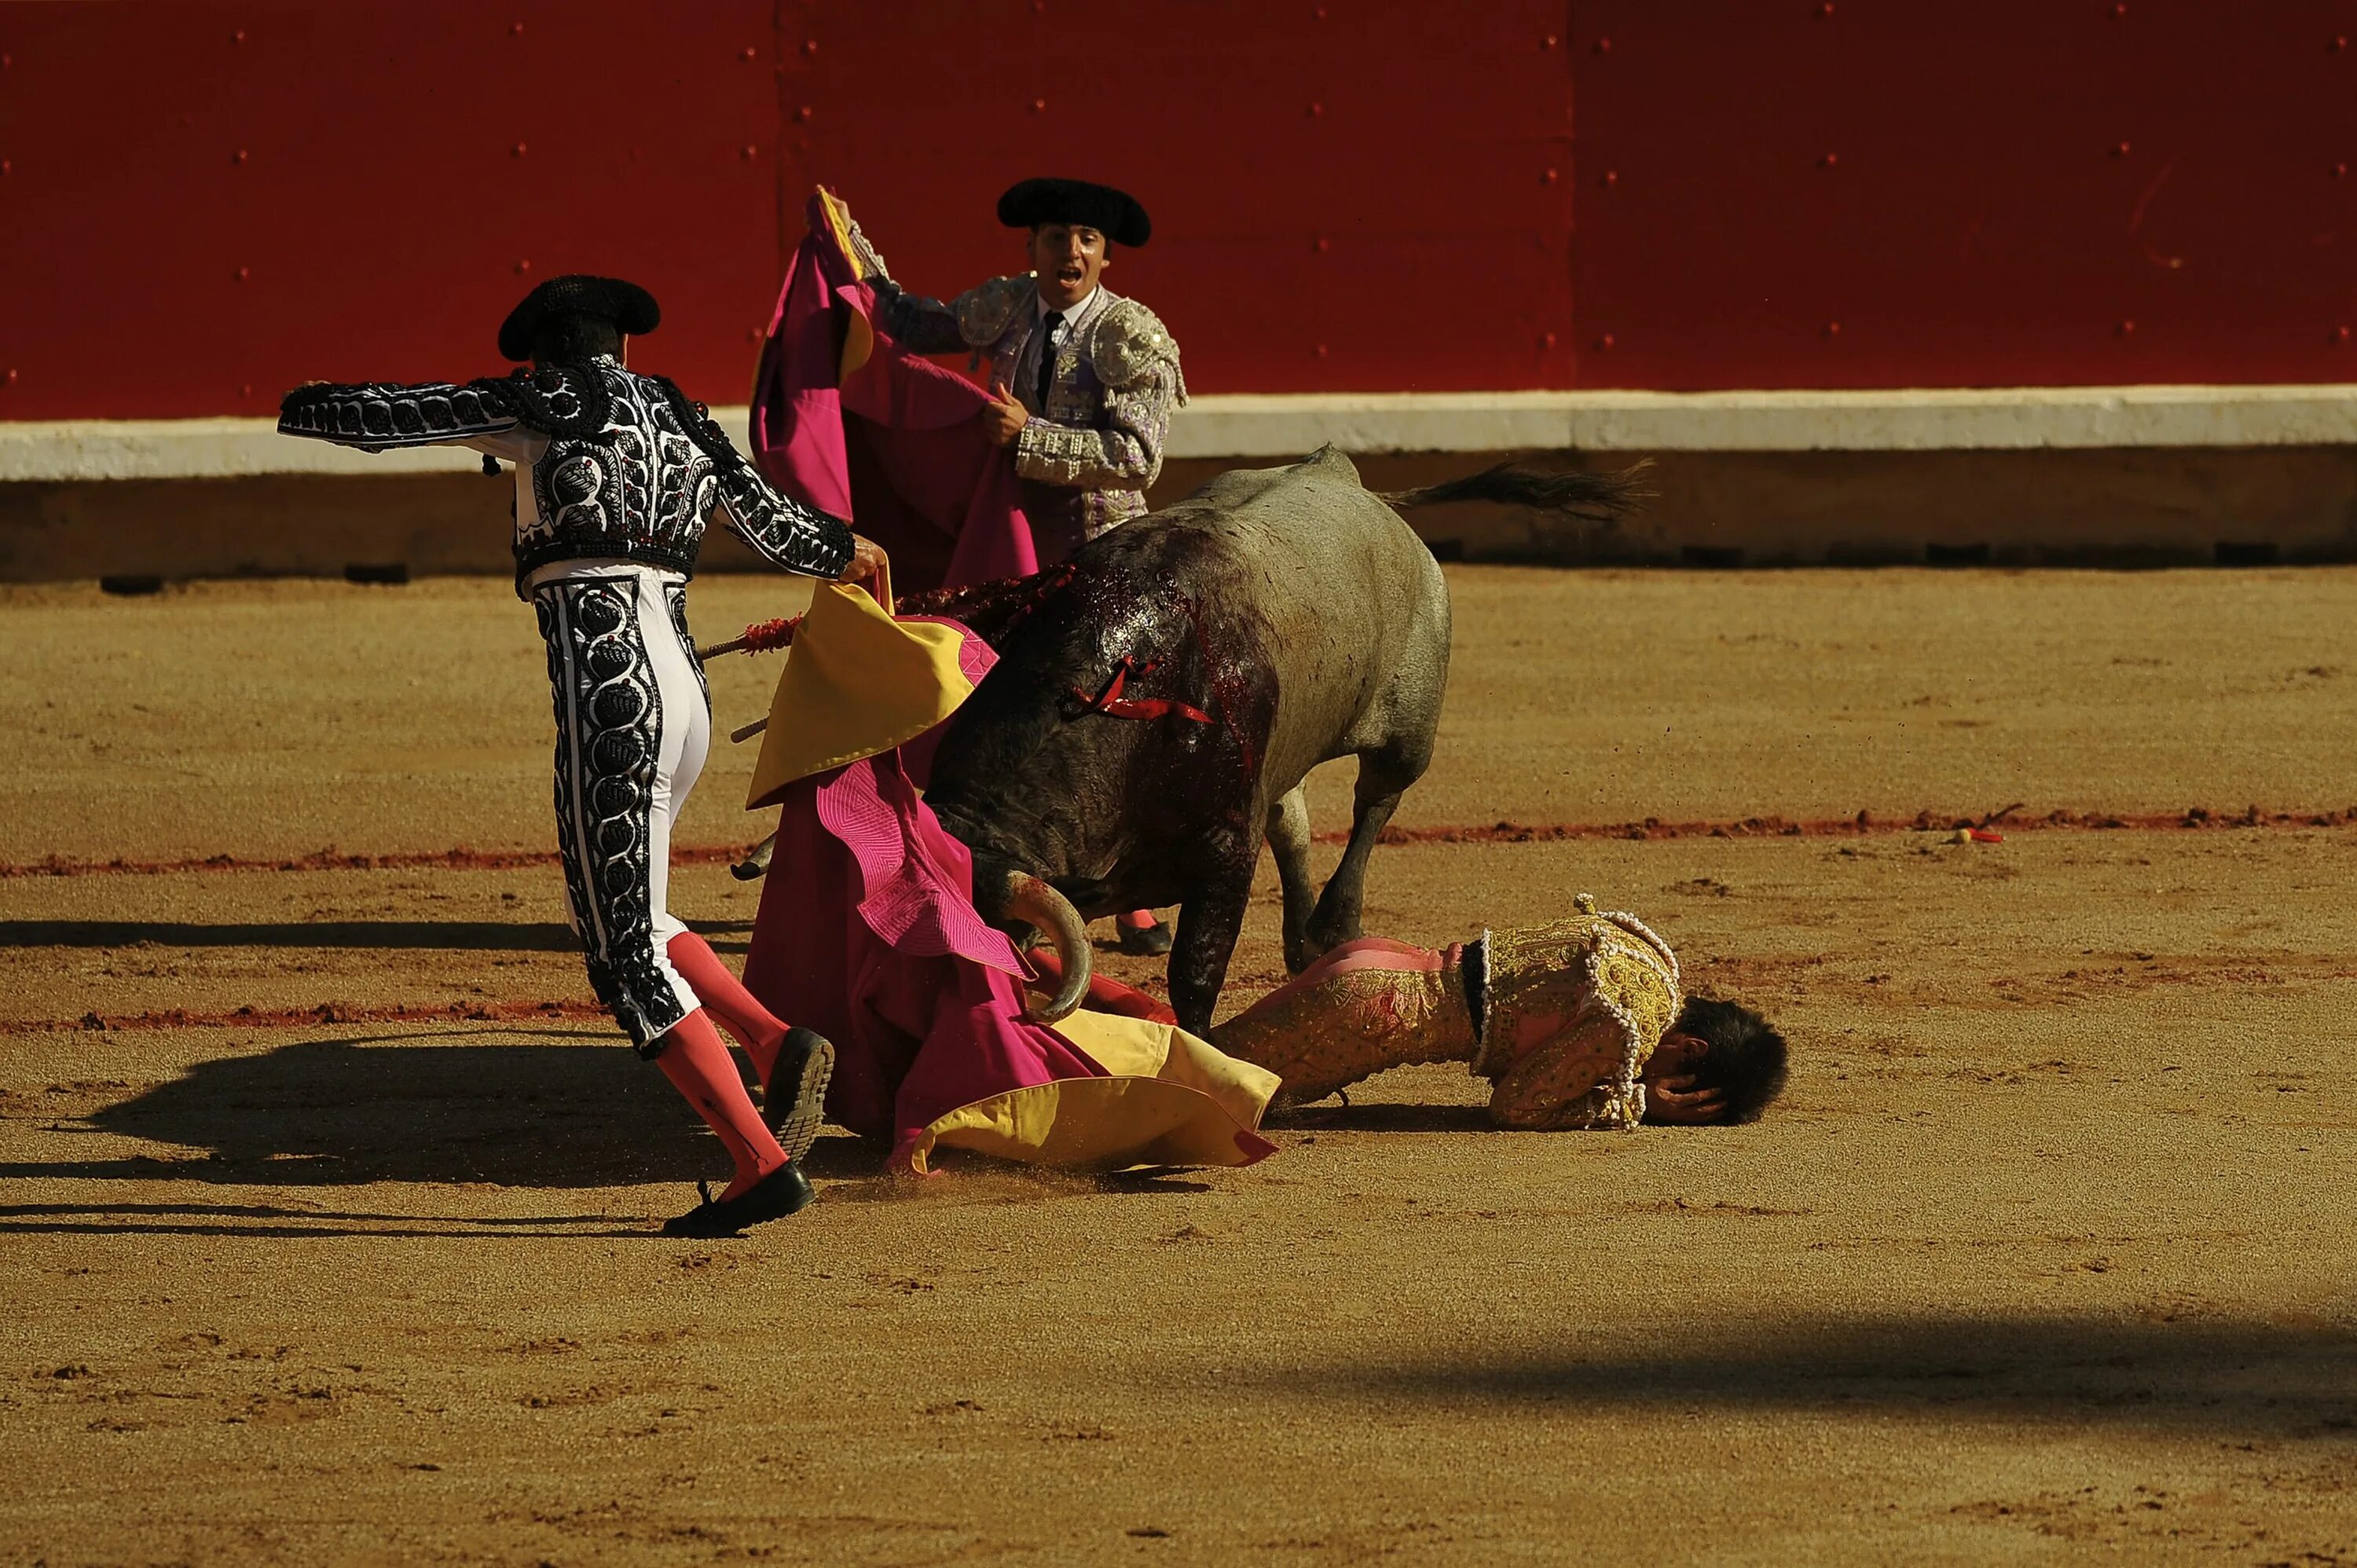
{"x":1147,"y":941}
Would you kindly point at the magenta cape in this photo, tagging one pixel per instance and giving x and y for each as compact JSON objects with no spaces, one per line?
{"x":881,"y":436}
{"x":867,"y":933}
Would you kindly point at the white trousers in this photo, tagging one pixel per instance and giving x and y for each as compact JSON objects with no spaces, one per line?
{"x":633,"y":728}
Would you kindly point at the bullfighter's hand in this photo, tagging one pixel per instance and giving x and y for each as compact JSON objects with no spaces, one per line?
{"x":1676,"y":1101}
{"x":1003,"y":418}
{"x":867,"y":561}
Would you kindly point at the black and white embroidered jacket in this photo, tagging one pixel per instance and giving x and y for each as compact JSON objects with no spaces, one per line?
{"x":609,"y":464}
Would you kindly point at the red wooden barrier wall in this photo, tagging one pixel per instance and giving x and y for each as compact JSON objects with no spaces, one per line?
{"x":204,"y":202}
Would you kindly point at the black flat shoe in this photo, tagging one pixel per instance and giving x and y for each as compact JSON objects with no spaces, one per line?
{"x":794,"y":1105}
{"x":1147,"y":941}
{"x":782,"y":1192}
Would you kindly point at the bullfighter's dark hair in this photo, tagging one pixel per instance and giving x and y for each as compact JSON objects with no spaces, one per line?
{"x":1591,"y":498}
{"x":1746,"y":1059}
{"x":569,"y":339}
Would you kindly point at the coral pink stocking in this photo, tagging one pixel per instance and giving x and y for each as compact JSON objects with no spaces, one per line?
{"x":757,"y":1029}
{"x":700,"y":1068}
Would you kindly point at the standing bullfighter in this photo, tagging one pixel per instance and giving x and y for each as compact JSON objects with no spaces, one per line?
{"x":616,"y":475}
{"x":1083,"y":380}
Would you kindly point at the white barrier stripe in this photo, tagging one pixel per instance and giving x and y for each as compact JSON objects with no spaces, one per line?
{"x":1259,"y":426}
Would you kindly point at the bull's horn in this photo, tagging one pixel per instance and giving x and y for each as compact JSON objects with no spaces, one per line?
{"x":1030,"y":899}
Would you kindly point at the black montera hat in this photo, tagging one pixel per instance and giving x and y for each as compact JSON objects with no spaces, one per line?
{"x":1114,"y":213}
{"x":627,"y":306}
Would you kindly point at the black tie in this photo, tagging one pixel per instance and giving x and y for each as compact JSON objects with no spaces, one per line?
{"x":1047,"y":325}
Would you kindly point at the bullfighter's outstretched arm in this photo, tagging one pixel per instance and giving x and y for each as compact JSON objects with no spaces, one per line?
{"x":782,"y":530}
{"x":376,"y":416}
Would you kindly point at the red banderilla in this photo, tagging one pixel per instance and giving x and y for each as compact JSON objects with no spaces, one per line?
{"x":1111,"y":701}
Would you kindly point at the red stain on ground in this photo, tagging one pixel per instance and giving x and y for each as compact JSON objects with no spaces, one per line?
{"x":1867,"y":824}
{"x":1863,"y":825}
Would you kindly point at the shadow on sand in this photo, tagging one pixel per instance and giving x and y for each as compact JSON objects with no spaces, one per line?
{"x":463,"y":935}
{"x":577,"y":1109}
{"x":2287,"y":1378}
{"x":449,"y":1106}
{"x":1383,"y":1117}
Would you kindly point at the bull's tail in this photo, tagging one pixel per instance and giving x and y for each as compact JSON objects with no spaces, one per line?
{"x":1591,"y":498}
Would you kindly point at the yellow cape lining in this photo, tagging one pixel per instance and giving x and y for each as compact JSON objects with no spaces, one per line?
{"x":1172,"y":1100}
{"x":856,"y":683}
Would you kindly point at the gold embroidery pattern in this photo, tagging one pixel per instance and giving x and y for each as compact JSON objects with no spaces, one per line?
{"x":1575,"y":1009}
{"x":986,"y":311}
{"x":1129,"y":342}
{"x":1331,"y":1032}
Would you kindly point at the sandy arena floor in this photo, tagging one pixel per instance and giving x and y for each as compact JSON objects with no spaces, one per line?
{"x":2047,"y":1254}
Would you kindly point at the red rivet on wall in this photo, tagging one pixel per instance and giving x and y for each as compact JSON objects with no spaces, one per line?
{"x":1038,"y":106}
{"x":1547,"y":339}
{"x":749,"y":53}
{"x":2126,"y":329}
{"x":1319,"y":13}
{"x":1552,"y":175}
{"x":1324,"y":243}
{"x":1605,"y":341}
{"x":1824,"y":9}
{"x":1604,"y":46}
{"x":752,"y":335}
{"x":2120,"y":9}
{"x":245,"y":389}
{"x":1316,"y":110}
{"x":1322,"y":351}
{"x":519,"y":149}
{"x":240,"y":158}
{"x":7,"y":60}
{"x":751,"y":151}
{"x":243,"y":273}
{"x":12,"y":376}
{"x":6,"y":166}
{"x":1611,"y":177}
{"x":515,"y":30}
{"x":810,"y":46}
{"x":2340,"y":335}
{"x":1038,"y":7}
{"x":802,"y":114}
{"x":2340,"y":43}
{"x":2341,"y":171}
{"x":1550,"y":42}
{"x":1833,"y":328}
{"x":523,"y":266}
{"x":2120,"y":150}
{"x":1829,"y":161}
{"x":238,"y":36}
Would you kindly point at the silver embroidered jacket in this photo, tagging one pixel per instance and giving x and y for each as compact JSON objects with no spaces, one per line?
{"x":1099,"y":439}
{"x":609,"y":464}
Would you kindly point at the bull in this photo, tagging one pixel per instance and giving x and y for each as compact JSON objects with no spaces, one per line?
{"x":1160,"y":697}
